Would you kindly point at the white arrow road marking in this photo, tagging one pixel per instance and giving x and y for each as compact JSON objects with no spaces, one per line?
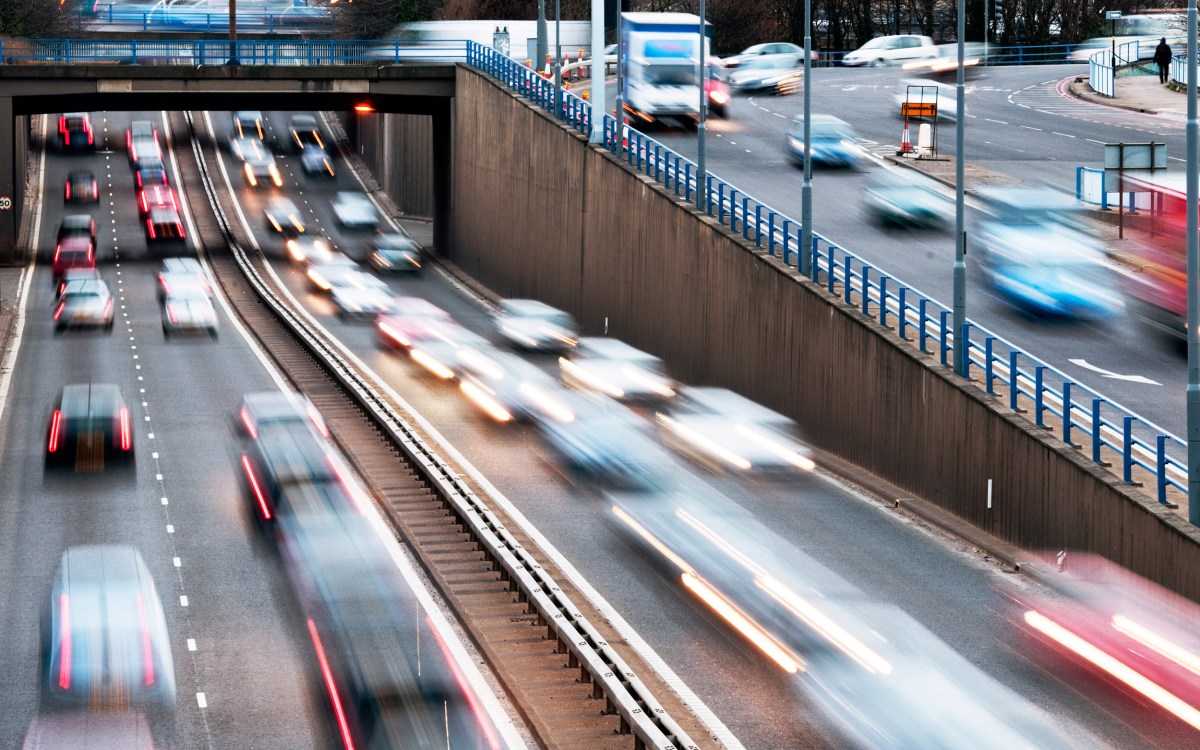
{"x":1131,"y":378}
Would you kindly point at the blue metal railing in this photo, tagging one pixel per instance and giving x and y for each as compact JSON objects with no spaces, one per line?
{"x":1108,"y":433}
{"x":1102,"y":66}
{"x":275,"y":51}
{"x":1179,"y":69}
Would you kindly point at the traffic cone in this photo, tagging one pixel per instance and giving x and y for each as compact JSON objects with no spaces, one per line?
{"x":579,"y":71}
{"x":905,"y":143}
{"x":547,"y":72}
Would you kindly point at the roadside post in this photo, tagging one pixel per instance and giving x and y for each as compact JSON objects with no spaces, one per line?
{"x":1112,"y":16}
{"x":1193,"y":275}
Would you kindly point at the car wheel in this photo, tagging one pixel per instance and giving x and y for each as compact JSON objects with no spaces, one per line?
{"x":878,"y":62}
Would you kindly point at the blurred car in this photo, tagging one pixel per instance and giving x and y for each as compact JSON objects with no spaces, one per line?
{"x":766,"y":74}
{"x":447,"y":349}
{"x":727,"y":432}
{"x":1038,"y":259}
{"x":411,"y":319}
{"x":617,"y":370}
{"x":104,"y":637}
{"x":150,"y":172}
{"x":78,"y":225}
{"x":90,"y":426}
{"x":394,"y":253}
{"x":324,"y":273}
{"x":1083,"y":51}
{"x":316,"y":162}
{"x":189,"y":310}
{"x":780,"y":54}
{"x":508,"y":388}
{"x":536,"y":326}
{"x":75,"y":274}
{"x":308,"y":248}
{"x":142,"y":148}
{"x":119,"y":730}
{"x":75,"y":132}
{"x":283,"y":216}
{"x":258,"y":164}
{"x":718,"y":88}
{"x":902,"y":198}
{"x":360,"y":296}
{"x":144,"y":129}
{"x":164,"y":231}
{"x":72,"y":252}
{"x":945,"y":61}
{"x":248,"y":124}
{"x":916,"y":91}
{"x":176,"y":275}
{"x":603,"y":441}
{"x":81,"y":187}
{"x":355,"y":211}
{"x":84,"y":304}
{"x":304,"y":131}
{"x":292,"y":468}
{"x":264,"y":411}
{"x":891,"y":50}
{"x":834,"y":142}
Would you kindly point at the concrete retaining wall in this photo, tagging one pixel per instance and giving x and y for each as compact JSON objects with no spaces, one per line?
{"x":539,"y":213}
{"x":399,"y":151}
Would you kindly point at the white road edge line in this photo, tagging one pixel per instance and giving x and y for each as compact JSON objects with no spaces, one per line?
{"x":715,"y":726}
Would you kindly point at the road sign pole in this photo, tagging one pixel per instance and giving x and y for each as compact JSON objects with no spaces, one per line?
{"x":960,"y":234}
{"x":597,"y":89}
{"x":1193,"y":274}
{"x":701,"y":166}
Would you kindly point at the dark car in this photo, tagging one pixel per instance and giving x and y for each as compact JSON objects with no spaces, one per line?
{"x":293,"y":469}
{"x":78,"y":225}
{"x":719,"y":91}
{"x":316,"y":162}
{"x":81,"y":187}
{"x":90,"y":427}
{"x":304,"y":132}
{"x":104,"y":635}
{"x":75,"y":132}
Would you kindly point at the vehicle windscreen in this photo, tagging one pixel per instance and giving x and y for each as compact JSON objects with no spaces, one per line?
{"x":671,"y":74}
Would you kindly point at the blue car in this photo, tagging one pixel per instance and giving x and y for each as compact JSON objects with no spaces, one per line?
{"x":834,"y":143}
{"x":1037,"y":259}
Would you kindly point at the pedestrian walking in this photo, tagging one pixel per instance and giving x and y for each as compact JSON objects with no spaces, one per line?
{"x":1162,"y":56}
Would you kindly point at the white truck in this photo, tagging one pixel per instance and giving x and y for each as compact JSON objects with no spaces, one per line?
{"x":660,"y":65}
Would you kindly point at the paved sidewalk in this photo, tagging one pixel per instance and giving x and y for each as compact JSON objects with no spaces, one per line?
{"x":1138,"y":94}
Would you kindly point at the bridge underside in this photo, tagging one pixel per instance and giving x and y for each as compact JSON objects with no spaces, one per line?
{"x":426,"y":90}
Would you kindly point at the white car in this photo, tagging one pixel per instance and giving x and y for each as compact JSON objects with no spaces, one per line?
{"x":189,"y":311}
{"x":891,"y":50}
{"x":530,"y":324}
{"x":784,"y":54}
{"x":283,"y":217}
{"x":355,"y":211}
{"x":362,"y":303}
{"x":617,"y":370}
{"x":507,"y":387}
{"x":727,"y":432}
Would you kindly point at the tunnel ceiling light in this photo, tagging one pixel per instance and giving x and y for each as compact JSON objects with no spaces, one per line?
{"x":364,"y":108}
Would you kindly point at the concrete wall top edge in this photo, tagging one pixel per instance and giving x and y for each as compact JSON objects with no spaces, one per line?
{"x":230,"y":73}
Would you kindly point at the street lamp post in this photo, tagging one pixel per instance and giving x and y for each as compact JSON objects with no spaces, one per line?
{"x":1193,"y":275}
{"x":558,"y":97}
{"x":805,"y":263}
{"x":543,"y":44}
{"x":597,"y":85}
{"x":233,"y":58}
{"x":701,"y":167}
{"x":960,"y":233}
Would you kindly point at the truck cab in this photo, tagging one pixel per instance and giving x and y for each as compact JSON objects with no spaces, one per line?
{"x":660,"y":66}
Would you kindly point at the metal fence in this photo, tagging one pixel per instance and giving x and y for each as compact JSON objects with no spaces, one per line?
{"x":277,"y":51}
{"x":1108,"y":433}
{"x":1103,"y":66}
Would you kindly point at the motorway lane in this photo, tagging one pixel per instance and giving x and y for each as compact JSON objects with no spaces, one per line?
{"x":891,"y":558}
{"x":748,"y":151}
{"x":251,"y":657}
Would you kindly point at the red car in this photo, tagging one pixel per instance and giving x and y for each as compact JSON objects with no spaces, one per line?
{"x":73,"y":252}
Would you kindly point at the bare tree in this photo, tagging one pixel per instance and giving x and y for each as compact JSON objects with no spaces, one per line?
{"x":42,"y":18}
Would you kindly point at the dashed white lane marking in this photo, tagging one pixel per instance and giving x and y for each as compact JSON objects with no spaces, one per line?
{"x":774,"y":113}
{"x":1089,"y":140}
{"x":183,"y":602}
{"x":1064,"y":135}
{"x":178,"y":563}
{"x":201,"y":700}
{"x":170,"y":528}
{"x":998,"y":122}
{"x":191,"y":644}
{"x":1030,"y":127}
{"x":164,"y":500}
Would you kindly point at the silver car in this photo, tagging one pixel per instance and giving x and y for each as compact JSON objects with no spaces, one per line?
{"x":85,"y":303}
{"x":533,"y":325}
{"x":780,"y":54}
{"x":189,"y":311}
{"x":617,"y":370}
{"x":283,"y":217}
{"x":355,"y":211}
{"x":104,"y":638}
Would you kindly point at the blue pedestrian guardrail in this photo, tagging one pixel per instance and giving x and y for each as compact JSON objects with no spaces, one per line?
{"x":271,"y":51}
{"x":1106,"y":432}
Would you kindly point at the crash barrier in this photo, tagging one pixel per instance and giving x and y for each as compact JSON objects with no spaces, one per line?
{"x":1089,"y":188}
{"x":1102,"y":66}
{"x":191,"y":52}
{"x":262,"y":19}
{"x":1179,"y":69}
{"x":1103,"y":430}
